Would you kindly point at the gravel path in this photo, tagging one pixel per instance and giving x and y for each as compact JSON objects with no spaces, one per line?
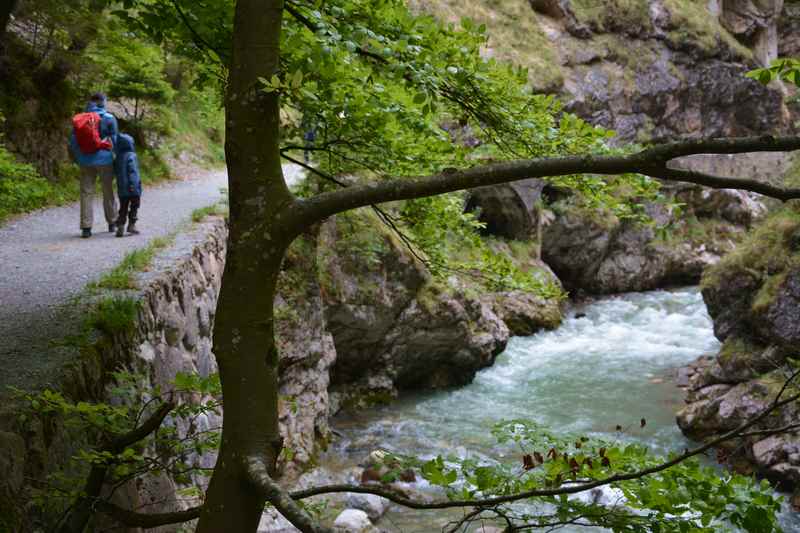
{"x":44,"y":265}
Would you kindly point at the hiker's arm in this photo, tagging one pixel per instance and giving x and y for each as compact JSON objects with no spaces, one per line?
{"x":134,"y":180}
{"x":113,"y":128}
{"x":72,"y":147}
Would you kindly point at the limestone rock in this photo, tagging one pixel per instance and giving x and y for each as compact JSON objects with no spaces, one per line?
{"x":353,"y":521}
{"x":394,"y":329}
{"x":525,"y":313}
{"x":373,"y":505}
{"x":508,"y":210}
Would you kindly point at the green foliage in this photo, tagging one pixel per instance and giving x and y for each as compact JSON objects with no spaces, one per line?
{"x":688,"y":497}
{"x":122,"y":276}
{"x":376,"y":83}
{"x":22,"y":189}
{"x":768,"y":251}
{"x":132,"y":400}
{"x":787,"y":69}
{"x":114,"y":315}
{"x":132,"y":70}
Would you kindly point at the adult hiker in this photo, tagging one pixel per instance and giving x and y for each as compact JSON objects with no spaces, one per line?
{"x":94,"y":134}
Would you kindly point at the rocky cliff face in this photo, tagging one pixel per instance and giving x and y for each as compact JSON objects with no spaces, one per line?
{"x":753,"y":296}
{"x":595,"y":252}
{"x":662,"y":69}
{"x":394,"y":328}
{"x":650,"y":70}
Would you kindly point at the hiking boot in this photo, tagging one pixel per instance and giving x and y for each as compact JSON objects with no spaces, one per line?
{"x":86,"y":233}
{"x":132,"y":229}
{"x":112,"y":228}
{"x":120,"y":230}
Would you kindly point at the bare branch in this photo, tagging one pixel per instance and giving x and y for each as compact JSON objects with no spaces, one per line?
{"x":258,"y":476}
{"x":155,"y":420}
{"x":718,"y":182}
{"x":83,"y":508}
{"x":146,"y":520}
{"x":651,"y":161}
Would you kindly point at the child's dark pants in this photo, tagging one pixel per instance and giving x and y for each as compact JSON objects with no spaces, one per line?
{"x":128,"y":208}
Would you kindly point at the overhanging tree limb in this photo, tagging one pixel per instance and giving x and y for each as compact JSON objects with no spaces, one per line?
{"x":259,"y":477}
{"x":651,"y":161}
{"x":574,"y":489}
{"x":284,"y":501}
{"x":76,"y":520}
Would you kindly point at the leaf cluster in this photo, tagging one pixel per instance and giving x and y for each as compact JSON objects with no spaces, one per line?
{"x":689,"y":497}
{"x":174,"y":448}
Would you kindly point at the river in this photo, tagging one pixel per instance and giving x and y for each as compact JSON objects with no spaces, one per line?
{"x":609,"y":364}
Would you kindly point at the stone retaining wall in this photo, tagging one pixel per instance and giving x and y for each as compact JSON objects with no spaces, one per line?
{"x":171,"y":334}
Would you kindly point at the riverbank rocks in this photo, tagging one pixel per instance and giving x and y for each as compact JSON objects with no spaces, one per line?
{"x":509,"y":210}
{"x":374,"y":506}
{"x":353,"y":521}
{"x":395,"y":328}
{"x":594,"y":252}
{"x":752,"y":297}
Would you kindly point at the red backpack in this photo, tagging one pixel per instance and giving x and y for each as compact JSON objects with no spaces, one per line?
{"x":87,"y":133}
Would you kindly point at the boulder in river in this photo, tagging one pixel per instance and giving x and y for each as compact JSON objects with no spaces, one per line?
{"x":353,"y":521}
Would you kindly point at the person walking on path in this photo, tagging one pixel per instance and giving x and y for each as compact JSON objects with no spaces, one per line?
{"x":129,"y":184}
{"x":94,"y":135}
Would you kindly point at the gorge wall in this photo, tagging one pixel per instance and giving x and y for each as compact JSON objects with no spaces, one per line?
{"x":651,"y":70}
{"x":753,"y":296}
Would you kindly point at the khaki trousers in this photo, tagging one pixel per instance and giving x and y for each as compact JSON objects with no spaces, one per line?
{"x":88,"y":179}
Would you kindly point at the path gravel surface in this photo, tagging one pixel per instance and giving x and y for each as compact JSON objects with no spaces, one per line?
{"x":44,"y":265}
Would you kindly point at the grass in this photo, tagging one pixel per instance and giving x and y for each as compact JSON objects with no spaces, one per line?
{"x":514,"y":34}
{"x":766,"y":254}
{"x":114,"y":314}
{"x":22,"y":189}
{"x":606,"y":15}
{"x":209,"y":210}
{"x":122,"y":276}
{"x":693,"y":22}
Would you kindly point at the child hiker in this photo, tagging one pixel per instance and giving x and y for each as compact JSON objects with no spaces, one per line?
{"x":129,"y":184}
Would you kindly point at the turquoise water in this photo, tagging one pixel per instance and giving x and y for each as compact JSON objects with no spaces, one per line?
{"x":611,"y":367}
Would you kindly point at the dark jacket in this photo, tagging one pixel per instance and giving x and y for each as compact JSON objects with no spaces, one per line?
{"x":126,"y":168}
{"x":108,"y":130}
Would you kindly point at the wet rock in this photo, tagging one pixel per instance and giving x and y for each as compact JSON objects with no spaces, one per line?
{"x":373,"y":505}
{"x":394,"y":329}
{"x":525,"y":313}
{"x":353,"y":521}
{"x":781,"y":320}
{"x":728,"y":302}
{"x":595,"y":252}
{"x":273,"y":522}
{"x":509,"y":210}
{"x":795,"y":501}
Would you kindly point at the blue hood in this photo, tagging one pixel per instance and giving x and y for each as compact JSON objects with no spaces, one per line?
{"x":124,"y":144}
{"x":92,"y":107}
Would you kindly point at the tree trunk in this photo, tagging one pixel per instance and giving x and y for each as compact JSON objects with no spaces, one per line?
{"x":262,"y":226}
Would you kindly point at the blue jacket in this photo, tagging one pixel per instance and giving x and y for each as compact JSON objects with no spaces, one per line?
{"x":126,"y":168}
{"x":108,"y":129}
